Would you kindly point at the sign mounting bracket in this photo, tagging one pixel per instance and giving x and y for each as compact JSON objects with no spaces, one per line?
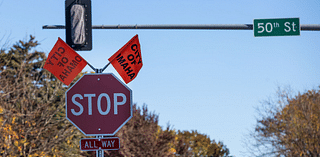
{"x":99,"y":70}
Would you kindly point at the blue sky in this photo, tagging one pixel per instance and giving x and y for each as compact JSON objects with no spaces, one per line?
{"x":205,"y":80}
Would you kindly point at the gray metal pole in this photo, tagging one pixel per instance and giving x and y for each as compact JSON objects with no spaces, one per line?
{"x":99,"y":153}
{"x":304,"y":27}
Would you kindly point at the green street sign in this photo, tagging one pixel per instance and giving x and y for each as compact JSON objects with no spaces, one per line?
{"x":276,"y":27}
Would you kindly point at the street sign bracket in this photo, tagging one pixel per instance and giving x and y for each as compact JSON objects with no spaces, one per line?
{"x":99,"y":70}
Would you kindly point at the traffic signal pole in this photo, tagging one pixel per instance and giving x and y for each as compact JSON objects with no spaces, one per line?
{"x":304,"y":27}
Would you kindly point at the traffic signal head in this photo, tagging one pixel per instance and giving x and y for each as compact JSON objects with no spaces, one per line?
{"x":78,"y":24}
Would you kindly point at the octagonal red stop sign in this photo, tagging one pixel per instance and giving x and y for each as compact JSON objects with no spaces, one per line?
{"x":99,"y":104}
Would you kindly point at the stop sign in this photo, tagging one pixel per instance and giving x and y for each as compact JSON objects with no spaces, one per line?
{"x":99,"y":104}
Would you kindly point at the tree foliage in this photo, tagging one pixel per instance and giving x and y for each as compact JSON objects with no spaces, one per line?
{"x":195,"y":144}
{"x":142,"y":136}
{"x":289,"y":126}
{"x":32,"y":121}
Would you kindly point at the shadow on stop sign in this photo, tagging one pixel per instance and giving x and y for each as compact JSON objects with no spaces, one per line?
{"x":99,"y":104}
